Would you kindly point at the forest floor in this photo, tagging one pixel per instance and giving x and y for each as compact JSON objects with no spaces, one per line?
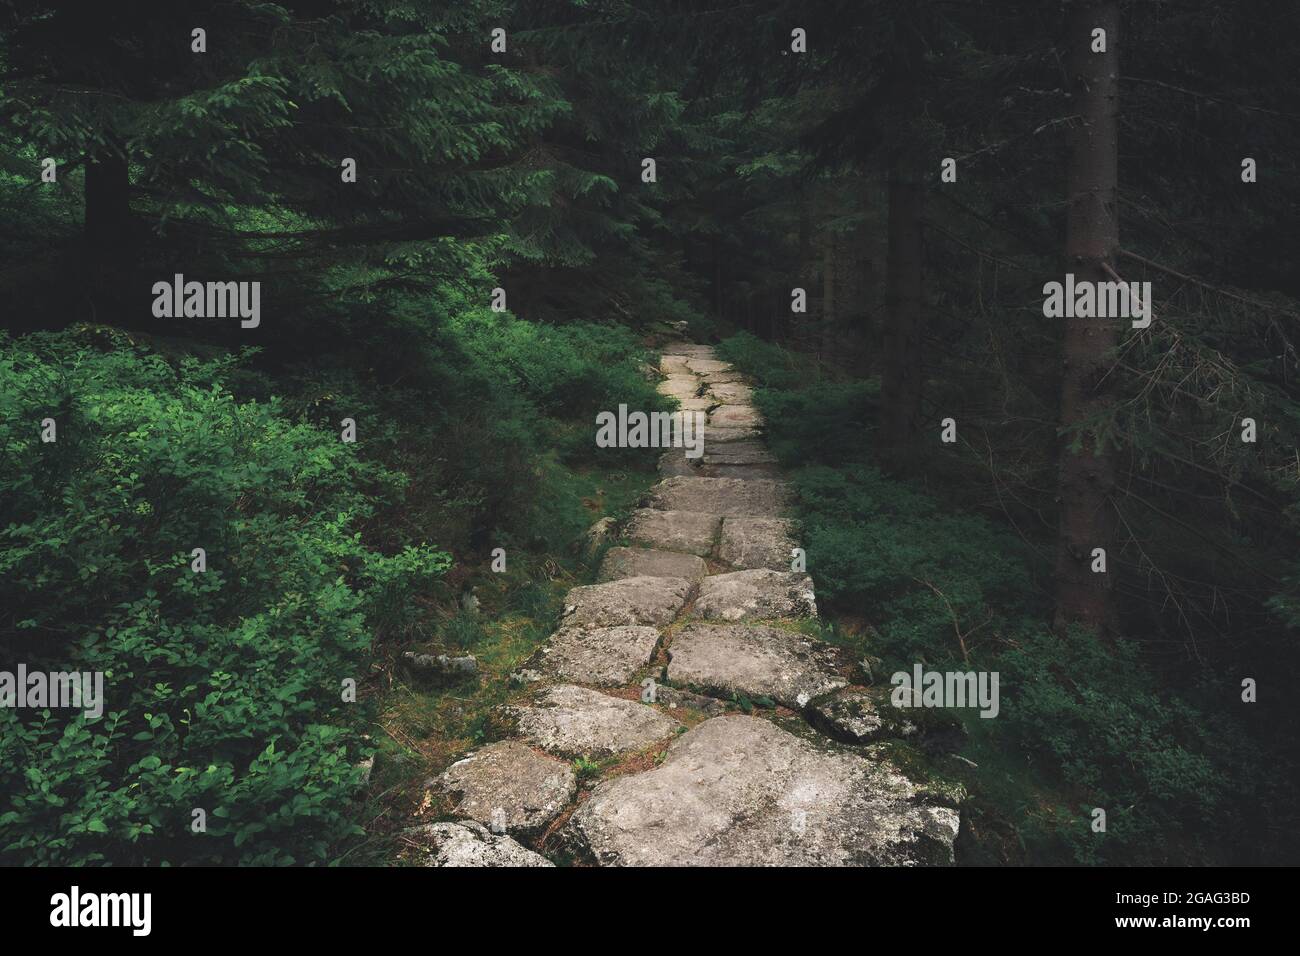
{"x":685,"y":710}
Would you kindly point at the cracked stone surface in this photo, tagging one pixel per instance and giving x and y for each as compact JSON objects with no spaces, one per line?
{"x":756,"y":594}
{"x":690,"y":531}
{"x":740,"y":791}
{"x":639,"y":600}
{"x":719,"y":496}
{"x":650,"y":562}
{"x":575,"y":721}
{"x":509,"y":784}
{"x":756,"y":661}
{"x":472,"y":844}
{"x":732,"y":416}
{"x":757,"y":543}
{"x":607,"y":656}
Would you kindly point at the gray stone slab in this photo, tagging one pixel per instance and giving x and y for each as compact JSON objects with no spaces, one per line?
{"x":754,"y":595}
{"x":575,"y":721}
{"x":680,"y":387}
{"x":719,"y":496}
{"x":607,"y":656}
{"x":756,"y":661}
{"x":689,"y":531}
{"x":640,"y":600}
{"x":732,"y":416}
{"x":748,"y":542}
{"x":650,"y":562}
{"x":739,"y":791}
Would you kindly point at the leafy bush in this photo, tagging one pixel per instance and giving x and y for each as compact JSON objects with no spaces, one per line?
{"x":224,"y":690}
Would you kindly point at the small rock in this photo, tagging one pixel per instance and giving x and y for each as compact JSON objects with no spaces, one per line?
{"x":849,"y":714}
{"x":441,"y":664}
{"x":680,"y":697}
{"x":471,"y":844}
{"x":597,"y":536}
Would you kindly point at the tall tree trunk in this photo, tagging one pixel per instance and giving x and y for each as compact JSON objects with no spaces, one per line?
{"x":828,"y":279}
{"x":900,"y":386}
{"x":1087,"y":472}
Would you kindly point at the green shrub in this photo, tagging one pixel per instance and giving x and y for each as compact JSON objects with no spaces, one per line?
{"x":223,"y":689}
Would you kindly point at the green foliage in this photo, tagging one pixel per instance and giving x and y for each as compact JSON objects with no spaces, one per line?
{"x":1179,"y":779}
{"x":224,"y":690}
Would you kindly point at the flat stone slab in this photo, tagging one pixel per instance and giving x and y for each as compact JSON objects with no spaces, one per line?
{"x":756,"y":661}
{"x":701,"y":365}
{"x":719,"y":496}
{"x":696,"y":404}
{"x":756,"y":594}
{"x":730,"y":416}
{"x":508,"y":784}
{"x":472,"y":844}
{"x":650,"y":562}
{"x":720,"y":434}
{"x":675,"y":462}
{"x":689,"y":531}
{"x":740,"y":791}
{"x":574,"y":721}
{"x":639,"y":600}
{"x":731,"y":393}
{"x":673,"y":365}
{"x":717,"y":378}
{"x":607,"y":656}
{"x":680,"y":387}
{"x":757,"y":543}
{"x":739,"y":453}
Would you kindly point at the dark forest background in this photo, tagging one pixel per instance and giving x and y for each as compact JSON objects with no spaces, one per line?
{"x":775,"y":169}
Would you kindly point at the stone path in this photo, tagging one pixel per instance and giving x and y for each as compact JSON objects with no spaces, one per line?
{"x":757,"y":748}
